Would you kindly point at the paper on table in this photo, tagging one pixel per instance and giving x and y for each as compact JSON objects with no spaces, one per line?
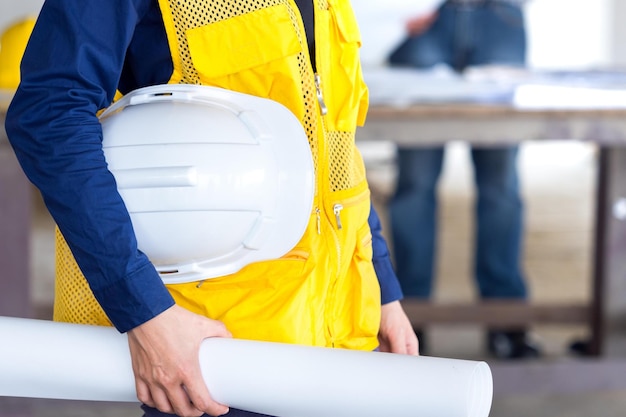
{"x":401,"y":87}
{"x":382,"y":24}
{"x":43,"y":359}
{"x":563,"y":97}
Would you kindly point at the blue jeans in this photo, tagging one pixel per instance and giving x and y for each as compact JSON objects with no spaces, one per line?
{"x":462,"y":36}
{"x":489,"y":33}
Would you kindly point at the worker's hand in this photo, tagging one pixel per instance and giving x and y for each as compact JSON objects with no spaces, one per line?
{"x":420,"y":24}
{"x":165,"y":358}
{"x":396,"y":334}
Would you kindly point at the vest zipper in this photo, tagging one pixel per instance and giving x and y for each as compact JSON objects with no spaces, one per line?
{"x":337,"y":210}
{"x":338,"y":207}
{"x":319,"y":221}
{"x":329,"y":317}
{"x":320,"y":95}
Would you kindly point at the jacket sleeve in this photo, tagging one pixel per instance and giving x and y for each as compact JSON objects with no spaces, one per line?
{"x":389,"y":286}
{"x":70,"y":70}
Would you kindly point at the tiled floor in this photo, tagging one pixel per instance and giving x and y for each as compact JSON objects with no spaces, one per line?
{"x":557,"y":256}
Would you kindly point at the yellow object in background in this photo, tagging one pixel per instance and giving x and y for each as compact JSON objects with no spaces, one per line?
{"x":12,"y":45}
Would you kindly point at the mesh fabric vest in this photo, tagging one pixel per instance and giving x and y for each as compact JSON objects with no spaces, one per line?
{"x":324,"y":292}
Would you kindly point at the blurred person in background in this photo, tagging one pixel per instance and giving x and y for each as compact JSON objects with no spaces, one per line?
{"x":462,"y":34}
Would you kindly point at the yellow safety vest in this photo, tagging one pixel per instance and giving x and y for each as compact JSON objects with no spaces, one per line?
{"x":325,"y":291}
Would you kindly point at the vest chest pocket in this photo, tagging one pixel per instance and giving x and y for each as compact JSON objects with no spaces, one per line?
{"x":254,"y":53}
{"x":348,"y":94}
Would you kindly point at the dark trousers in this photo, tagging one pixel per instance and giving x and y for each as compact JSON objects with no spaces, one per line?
{"x":152,"y":412}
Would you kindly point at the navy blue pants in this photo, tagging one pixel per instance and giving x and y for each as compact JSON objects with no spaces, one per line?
{"x":152,"y":412}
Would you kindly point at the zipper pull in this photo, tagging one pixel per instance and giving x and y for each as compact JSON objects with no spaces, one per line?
{"x":337,"y":210}
{"x":320,"y":96}
{"x":319,"y":221}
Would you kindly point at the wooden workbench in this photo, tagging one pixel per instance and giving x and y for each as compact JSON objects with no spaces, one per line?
{"x":496,"y":124}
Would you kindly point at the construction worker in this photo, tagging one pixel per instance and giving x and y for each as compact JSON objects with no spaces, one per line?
{"x":337,"y":289}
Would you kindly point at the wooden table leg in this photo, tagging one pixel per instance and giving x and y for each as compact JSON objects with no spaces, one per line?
{"x":608,"y":301}
{"x":602,"y":213}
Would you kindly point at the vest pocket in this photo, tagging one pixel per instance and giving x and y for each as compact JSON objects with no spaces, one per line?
{"x":361,"y":301}
{"x":249,"y":53}
{"x":346,"y":21}
{"x":268,"y":300}
{"x":348,"y":93}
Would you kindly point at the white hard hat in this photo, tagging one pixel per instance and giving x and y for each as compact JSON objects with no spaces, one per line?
{"x":213,"y":179}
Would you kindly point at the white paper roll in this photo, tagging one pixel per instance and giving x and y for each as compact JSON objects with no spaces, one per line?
{"x":44,"y":359}
{"x":298,"y":381}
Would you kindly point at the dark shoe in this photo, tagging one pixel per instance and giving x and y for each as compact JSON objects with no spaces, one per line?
{"x":511,"y":345}
{"x":581,"y":348}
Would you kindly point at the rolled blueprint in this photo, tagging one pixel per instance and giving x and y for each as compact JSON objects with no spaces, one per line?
{"x":44,"y":359}
{"x":296,"y":381}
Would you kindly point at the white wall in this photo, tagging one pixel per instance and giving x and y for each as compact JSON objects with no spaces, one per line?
{"x":11,"y":10}
{"x":570,"y":33}
{"x":618,"y":34}
{"x":562,"y":33}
